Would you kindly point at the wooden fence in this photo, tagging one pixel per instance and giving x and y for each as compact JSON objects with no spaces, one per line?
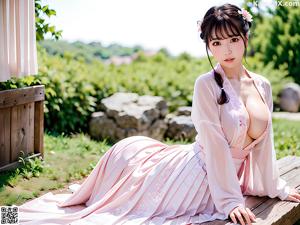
{"x":21,"y":125}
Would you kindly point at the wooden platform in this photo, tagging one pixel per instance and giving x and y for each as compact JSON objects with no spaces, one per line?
{"x":272,"y":210}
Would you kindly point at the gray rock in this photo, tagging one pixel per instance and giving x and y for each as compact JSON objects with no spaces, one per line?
{"x":100,"y":126}
{"x":181,"y":127}
{"x":184,"y":111}
{"x":290,"y":97}
{"x":128,"y":114}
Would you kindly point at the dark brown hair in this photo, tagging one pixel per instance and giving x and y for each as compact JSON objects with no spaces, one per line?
{"x":224,"y":21}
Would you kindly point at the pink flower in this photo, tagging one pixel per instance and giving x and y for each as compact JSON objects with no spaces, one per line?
{"x":199,"y":22}
{"x":246,"y":15}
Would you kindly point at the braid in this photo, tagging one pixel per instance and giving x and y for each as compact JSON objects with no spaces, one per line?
{"x":219,"y":80}
{"x":223,"y":97}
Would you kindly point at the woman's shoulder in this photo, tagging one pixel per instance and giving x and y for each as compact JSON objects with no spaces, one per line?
{"x":262,"y":80}
{"x":263,"y":84}
{"x":205,"y":78}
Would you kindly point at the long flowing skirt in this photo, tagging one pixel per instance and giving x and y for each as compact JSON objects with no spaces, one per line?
{"x":139,"y":180}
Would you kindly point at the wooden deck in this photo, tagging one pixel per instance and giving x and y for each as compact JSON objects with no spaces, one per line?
{"x":272,"y":210}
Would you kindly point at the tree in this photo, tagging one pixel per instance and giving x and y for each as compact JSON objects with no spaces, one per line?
{"x":276,"y":37}
{"x":42,"y":27}
{"x":284,"y":44}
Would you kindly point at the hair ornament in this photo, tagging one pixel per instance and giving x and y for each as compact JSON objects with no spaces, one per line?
{"x":246,"y":15}
{"x":199,"y":22}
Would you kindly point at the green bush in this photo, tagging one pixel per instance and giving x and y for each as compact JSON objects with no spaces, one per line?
{"x":74,"y":88}
{"x":277,"y":77}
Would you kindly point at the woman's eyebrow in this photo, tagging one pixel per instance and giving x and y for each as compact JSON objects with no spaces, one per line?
{"x":215,"y":39}
{"x":218,"y":39}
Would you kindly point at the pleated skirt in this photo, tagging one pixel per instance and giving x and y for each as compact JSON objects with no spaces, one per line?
{"x":139,"y":180}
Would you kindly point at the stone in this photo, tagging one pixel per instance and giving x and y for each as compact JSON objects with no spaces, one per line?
{"x":181,"y":128}
{"x":127,"y":114}
{"x":100,"y":126}
{"x":184,"y":111}
{"x":290,"y":97}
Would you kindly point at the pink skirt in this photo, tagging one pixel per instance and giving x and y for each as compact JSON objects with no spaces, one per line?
{"x":139,"y":180}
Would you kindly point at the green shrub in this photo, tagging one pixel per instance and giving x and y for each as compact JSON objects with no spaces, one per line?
{"x":74,"y":88}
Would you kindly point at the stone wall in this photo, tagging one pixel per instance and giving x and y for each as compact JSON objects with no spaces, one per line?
{"x":127,"y":114}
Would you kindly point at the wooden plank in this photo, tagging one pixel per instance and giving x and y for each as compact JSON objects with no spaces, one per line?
{"x":4,"y":136}
{"x":279,"y":212}
{"x":30,"y":128}
{"x":286,"y":160}
{"x":39,"y":128}
{"x":19,"y":96}
{"x":292,"y":165}
{"x":15,"y":165}
{"x":284,"y":164}
{"x":273,"y":210}
{"x":26,"y":132}
{"x":19,"y":129}
{"x":254,"y":201}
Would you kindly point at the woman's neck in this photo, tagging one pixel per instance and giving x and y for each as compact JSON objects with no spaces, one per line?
{"x":235,"y":73}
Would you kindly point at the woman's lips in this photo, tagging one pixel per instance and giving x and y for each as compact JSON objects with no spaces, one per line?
{"x":229,"y":60}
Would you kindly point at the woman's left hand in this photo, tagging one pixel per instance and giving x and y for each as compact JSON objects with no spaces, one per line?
{"x":293,"y":196}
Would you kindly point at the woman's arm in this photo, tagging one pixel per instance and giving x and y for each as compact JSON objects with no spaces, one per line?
{"x":221,"y":173}
{"x":266,"y":179}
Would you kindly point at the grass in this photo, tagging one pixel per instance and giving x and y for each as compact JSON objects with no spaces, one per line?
{"x":287,"y":137}
{"x":71,"y":159}
{"x":66,"y":159}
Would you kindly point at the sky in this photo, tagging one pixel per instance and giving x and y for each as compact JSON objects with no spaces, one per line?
{"x":153,"y":24}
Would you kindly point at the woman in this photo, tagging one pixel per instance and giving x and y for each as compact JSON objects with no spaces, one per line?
{"x":141,"y":180}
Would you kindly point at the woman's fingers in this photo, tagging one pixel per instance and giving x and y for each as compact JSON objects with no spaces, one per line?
{"x":294,"y":195}
{"x":240,"y":217}
{"x":246,"y":216}
{"x":232,"y":216}
{"x":243,"y":215}
{"x":251,"y":214}
{"x":292,"y":198}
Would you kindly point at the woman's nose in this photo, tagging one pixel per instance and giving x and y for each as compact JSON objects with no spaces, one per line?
{"x":227,"y":49}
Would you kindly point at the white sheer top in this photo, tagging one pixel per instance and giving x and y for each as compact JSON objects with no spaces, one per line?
{"x":234,"y":170}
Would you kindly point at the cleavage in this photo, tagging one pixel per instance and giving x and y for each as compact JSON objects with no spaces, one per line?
{"x":257,"y":116}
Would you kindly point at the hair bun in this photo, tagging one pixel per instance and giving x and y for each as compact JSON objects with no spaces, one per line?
{"x":250,"y":24}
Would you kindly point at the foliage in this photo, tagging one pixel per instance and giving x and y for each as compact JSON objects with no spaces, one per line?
{"x":31,"y":167}
{"x":73,"y":88}
{"x":276,"y":37}
{"x":88,"y":52}
{"x":284,"y":44}
{"x":42,"y":27}
{"x":15,"y":82}
{"x":286,"y":137}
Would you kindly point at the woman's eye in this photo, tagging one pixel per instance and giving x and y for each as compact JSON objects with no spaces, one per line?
{"x":235,"y":39}
{"x":216,"y":43}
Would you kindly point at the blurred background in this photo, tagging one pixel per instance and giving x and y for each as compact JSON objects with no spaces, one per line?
{"x":88,"y":51}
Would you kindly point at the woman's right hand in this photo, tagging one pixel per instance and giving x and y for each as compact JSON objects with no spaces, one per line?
{"x":244,"y":215}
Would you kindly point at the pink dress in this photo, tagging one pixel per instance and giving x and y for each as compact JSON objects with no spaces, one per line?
{"x":140,"y":180}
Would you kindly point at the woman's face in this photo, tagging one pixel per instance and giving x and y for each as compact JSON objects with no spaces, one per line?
{"x":229,"y":51}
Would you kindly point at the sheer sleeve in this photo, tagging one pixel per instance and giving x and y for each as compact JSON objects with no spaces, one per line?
{"x":266,"y":180}
{"x":221,"y":173}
